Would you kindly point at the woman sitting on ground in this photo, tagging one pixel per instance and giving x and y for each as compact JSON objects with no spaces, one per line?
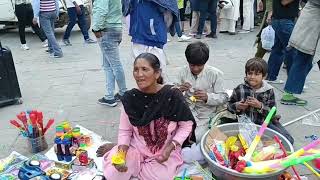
{"x":154,"y":123}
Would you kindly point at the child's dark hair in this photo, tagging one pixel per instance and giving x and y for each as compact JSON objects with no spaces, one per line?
{"x":257,"y":65}
{"x":154,"y":63}
{"x":197,"y":53}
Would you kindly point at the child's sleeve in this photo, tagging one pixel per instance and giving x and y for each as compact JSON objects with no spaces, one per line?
{"x":268,"y":104}
{"x":232,"y":103}
{"x":219,"y":96}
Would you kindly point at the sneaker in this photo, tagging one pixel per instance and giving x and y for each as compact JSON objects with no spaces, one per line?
{"x":117,"y":97}
{"x":212,"y":35}
{"x":289,"y":99}
{"x":104,"y":101}
{"x":24,"y":47}
{"x":275,"y":81}
{"x":243,"y":31}
{"x":183,"y":38}
{"x":198,"y":36}
{"x":168,"y":40}
{"x":56,"y":55}
{"x":192,"y":34}
{"x":45,"y":43}
{"x":66,"y":42}
{"x":90,"y":41}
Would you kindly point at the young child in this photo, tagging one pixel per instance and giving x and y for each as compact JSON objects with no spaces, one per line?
{"x":204,"y":83}
{"x":255,"y":97}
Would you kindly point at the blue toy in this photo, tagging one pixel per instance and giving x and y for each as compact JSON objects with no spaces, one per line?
{"x":31,"y":169}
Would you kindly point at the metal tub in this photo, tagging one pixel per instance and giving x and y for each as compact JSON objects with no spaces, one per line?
{"x":224,"y":173}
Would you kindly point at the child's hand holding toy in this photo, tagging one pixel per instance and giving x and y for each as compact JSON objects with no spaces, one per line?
{"x":253,"y":102}
{"x":242,"y":105}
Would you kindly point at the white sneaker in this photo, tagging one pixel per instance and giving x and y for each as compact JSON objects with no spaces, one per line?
{"x":24,"y":47}
{"x":168,"y":40}
{"x":183,"y":38}
{"x":45,"y":43}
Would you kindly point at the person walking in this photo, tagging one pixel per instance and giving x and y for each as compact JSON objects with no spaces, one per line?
{"x":248,"y":16}
{"x":107,"y":27}
{"x":24,"y":13}
{"x":304,"y":40}
{"x":208,"y":6}
{"x":76,"y":11}
{"x":283,"y":16}
{"x":48,"y":11}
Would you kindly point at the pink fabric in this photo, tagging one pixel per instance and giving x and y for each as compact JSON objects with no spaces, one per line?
{"x":140,"y":160}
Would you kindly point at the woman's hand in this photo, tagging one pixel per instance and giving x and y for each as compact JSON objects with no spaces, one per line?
{"x":166,"y":153}
{"x":122,"y":167}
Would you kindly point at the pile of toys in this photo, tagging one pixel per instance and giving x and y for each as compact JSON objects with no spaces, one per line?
{"x":71,"y":145}
{"x":256,"y":157}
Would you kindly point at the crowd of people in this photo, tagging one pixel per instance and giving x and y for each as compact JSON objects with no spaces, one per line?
{"x":151,"y":135}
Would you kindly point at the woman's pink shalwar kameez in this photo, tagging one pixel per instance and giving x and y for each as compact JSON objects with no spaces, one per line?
{"x":141,"y":162}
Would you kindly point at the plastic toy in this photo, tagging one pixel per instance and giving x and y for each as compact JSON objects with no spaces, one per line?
{"x":31,"y":170}
{"x":119,"y":158}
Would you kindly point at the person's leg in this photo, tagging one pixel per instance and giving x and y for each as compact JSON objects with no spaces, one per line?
{"x":109,"y":45}
{"x":47,"y":22}
{"x":21,"y":15}
{"x":247,"y":15}
{"x":300,"y":68}
{"x":203,"y":16}
{"x":213,"y":16}
{"x":195,"y":22}
{"x":283,"y":30}
{"x":232,"y":26}
{"x":275,"y":59}
{"x":178,"y":28}
{"x":82,"y":23}
{"x":72,"y":13}
{"x":224,"y":25}
{"x":35,"y":27}
{"x":277,"y":126}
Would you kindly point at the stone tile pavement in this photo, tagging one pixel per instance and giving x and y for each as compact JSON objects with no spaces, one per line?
{"x":69,"y":87}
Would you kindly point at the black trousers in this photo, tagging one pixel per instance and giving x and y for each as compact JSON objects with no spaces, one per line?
{"x":24,"y":14}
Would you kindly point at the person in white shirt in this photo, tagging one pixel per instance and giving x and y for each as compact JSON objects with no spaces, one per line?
{"x":76,"y":12}
{"x":204,"y":84}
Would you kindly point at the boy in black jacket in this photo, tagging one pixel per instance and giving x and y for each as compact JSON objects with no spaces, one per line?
{"x":255,"y":97}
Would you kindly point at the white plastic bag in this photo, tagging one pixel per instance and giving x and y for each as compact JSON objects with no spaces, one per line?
{"x":267,"y":38}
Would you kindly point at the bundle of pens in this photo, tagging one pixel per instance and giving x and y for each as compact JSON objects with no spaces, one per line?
{"x":32,"y":127}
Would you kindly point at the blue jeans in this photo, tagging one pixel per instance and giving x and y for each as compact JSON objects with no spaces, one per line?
{"x":109,"y":45}
{"x":72,"y":13}
{"x":178,"y":28}
{"x":298,"y":69}
{"x":283,"y":29}
{"x":208,"y":6}
{"x":47,"y":23}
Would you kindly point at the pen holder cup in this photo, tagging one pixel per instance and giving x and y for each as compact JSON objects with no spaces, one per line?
{"x":38,"y":144}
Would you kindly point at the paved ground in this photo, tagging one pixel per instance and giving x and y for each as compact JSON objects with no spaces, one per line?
{"x":69,"y":87}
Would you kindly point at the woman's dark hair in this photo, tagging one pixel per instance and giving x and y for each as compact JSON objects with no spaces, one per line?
{"x":257,"y":65}
{"x":197,"y":53}
{"x":154,"y":63}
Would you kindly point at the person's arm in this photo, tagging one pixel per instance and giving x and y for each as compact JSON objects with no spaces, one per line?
{"x":57,"y":8}
{"x":232,"y":103}
{"x":219,"y":96}
{"x":268,"y":104}
{"x":183,"y":132}
{"x":36,"y":8}
{"x":125,"y":132}
{"x":100,"y":11}
{"x":286,"y":2}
